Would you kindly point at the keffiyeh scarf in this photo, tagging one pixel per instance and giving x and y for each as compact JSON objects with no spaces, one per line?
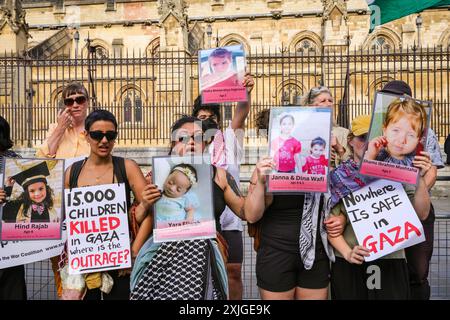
{"x":346,"y":179}
{"x":181,"y":270}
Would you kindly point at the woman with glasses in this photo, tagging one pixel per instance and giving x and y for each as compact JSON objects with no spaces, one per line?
{"x":322,"y":97}
{"x":102,"y":168}
{"x":65,"y":139}
{"x":195,"y":269}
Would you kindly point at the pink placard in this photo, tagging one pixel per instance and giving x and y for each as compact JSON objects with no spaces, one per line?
{"x":166,"y":232}
{"x":226,"y":94}
{"x":294,"y":182}
{"x":389,"y":171}
{"x":31,"y":231}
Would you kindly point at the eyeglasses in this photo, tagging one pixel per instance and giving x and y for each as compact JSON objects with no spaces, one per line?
{"x":185,"y":138}
{"x":79,"y":100}
{"x":98,"y":135}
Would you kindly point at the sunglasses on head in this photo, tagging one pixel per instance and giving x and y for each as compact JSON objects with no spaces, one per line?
{"x":79,"y":100}
{"x":98,"y":135}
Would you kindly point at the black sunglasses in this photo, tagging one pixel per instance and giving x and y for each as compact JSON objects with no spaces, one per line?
{"x":79,"y":100}
{"x":98,"y":135}
{"x":185,"y":137}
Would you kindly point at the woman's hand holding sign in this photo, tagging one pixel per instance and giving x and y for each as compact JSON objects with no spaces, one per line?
{"x":150,"y":195}
{"x":248,"y":82}
{"x":357,"y":254}
{"x":423,"y":162}
{"x":263,"y":168}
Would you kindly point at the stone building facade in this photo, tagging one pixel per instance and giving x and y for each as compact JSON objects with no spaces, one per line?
{"x":169,"y":32}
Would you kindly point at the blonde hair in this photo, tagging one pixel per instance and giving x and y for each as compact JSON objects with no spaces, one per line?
{"x":401,"y":107}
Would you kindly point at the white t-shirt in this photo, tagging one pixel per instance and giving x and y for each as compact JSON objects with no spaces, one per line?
{"x":230,"y":161}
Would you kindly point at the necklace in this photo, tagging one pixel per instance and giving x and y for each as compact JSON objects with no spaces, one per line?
{"x":97,"y":178}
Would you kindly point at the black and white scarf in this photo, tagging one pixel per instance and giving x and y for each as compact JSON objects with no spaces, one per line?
{"x":308,"y":228}
{"x":181,"y":270}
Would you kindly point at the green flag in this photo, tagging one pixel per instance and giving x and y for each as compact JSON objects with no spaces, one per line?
{"x":384,"y":11}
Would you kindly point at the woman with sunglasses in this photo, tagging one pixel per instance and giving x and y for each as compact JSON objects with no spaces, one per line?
{"x":322,"y":97}
{"x":102,"y":168}
{"x":65,"y":139}
{"x":188,"y":270}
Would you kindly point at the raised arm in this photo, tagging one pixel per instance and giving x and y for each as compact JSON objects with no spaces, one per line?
{"x":55,"y":135}
{"x":243,"y":108}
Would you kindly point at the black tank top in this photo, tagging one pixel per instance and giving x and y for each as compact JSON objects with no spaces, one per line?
{"x":218,"y":201}
{"x":281,"y":223}
{"x":119,"y":175}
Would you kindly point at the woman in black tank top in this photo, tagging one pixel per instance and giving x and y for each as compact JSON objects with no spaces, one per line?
{"x":102,"y":168}
{"x":287,"y":266}
{"x":163,"y":258}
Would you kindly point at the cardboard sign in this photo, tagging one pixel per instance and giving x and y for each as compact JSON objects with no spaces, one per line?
{"x":221,"y":72}
{"x":383,"y":218}
{"x":34,"y":190}
{"x":299,"y":144}
{"x":97,"y":231}
{"x":398,"y":131}
{"x":16,"y":253}
{"x":185,"y":211}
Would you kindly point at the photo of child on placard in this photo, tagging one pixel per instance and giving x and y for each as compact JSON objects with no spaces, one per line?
{"x":33,"y":207}
{"x":221,"y":72}
{"x":398,"y":132}
{"x":285,"y":148}
{"x":177,"y":202}
{"x":316,"y":162}
{"x":185,"y":209}
{"x":299,"y":146}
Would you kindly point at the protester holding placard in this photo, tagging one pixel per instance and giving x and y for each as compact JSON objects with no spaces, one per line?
{"x":226,"y":150}
{"x":419,"y":255}
{"x":349,"y":271}
{"x":403,"y":127}
{"x":65,"y":139}
{"x":290,"y":237}
{"x":98,"y":169}
{"x":12,"y":279}
{"x":177,"y":270}
{"x":322,"y":97}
